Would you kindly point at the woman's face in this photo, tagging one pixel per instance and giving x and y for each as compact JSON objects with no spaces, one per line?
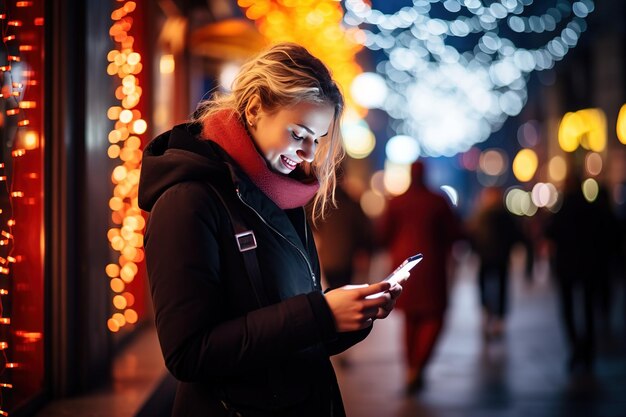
{"x":288,"y":136}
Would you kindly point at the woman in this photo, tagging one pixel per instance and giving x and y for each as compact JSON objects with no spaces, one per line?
{"x":240,"y":342}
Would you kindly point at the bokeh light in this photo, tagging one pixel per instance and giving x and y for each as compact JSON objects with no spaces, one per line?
{"x":590,"y":189}
{"x":525,"y":165}
{"x":455,"y":75}
{"x":557,"y":168}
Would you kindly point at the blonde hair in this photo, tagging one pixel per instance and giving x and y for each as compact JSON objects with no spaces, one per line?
{"x":283,"y":76}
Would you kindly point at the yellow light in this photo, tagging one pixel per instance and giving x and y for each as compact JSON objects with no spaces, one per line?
{"x":585,"y":127}
{"x":557,"y":168}
{"x":569,"y":131}
{"x":167,"y":64}
{"x":621,"y":125}
{"x":30,"y":140}
{"x":525,"y":165}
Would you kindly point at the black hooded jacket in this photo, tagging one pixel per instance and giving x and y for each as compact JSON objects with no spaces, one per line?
{"x":216,"y":340}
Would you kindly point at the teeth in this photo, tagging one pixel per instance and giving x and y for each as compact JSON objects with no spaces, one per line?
{"x":290,"y":163}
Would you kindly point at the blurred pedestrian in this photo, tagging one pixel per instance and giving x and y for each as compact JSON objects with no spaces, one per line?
{"x":579,"y":235}
{"x":420,"y":221}
{"x":493,"y":231}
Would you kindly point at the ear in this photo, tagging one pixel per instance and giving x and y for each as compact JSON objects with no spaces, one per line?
{"x":253,"y":110}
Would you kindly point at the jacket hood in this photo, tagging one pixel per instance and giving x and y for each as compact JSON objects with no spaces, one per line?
{"x":176,"y":156}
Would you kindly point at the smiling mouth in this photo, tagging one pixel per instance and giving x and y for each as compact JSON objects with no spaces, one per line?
{"x":289,"y":163}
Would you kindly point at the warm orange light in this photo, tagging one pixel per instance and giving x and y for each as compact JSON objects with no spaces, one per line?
{"x":27,"y":104}
{"x":5,"y":320}
{"x":30,"y":140}
{"x":131,"y":316}
{"x":119,"y":173}
{"x":112,"y":270}
{"x":125,"y":146}
{"x":113,"y":151}
{"x":119,"y":302}
{"x":30,"y":337}
{"x":117,"y":285}
{"x":113,"y":325}
{"x":130,"y":298}
{"x":167,"y":64}
{"x":120,"y":319}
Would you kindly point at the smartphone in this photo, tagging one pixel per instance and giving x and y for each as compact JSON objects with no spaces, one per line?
{"x":404,"y":267}
{"x":400,"y":271}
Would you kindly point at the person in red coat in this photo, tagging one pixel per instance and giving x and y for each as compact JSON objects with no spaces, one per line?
{"x":420,"y":221}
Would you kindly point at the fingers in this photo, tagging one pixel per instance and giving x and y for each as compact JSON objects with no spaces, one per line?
{"x":395,"y":291}
{"x":374,"y":289}
{"x":402,"y":279}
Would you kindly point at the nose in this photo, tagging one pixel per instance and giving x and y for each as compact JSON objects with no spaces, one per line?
{"x":307,"y":149}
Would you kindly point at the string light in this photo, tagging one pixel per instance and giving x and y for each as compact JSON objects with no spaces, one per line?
{"x":449,"y":98}
{"x":315,"y":25}
{"x":127,"y":239}
{"x":17,"y":106}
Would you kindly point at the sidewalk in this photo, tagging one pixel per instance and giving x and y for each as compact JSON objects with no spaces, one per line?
{"x":522,"y":375}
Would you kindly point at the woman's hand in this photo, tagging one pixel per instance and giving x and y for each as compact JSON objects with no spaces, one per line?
{"x":394,"y":293}
{"x":353,"y":311}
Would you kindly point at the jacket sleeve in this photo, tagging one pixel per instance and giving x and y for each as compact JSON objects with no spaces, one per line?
{"x":199,"y":342}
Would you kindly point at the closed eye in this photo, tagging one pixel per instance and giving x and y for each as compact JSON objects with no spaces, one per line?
{"x":296,"y":137}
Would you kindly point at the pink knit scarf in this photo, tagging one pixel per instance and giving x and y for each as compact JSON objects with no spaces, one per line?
{"x":225,"y":129}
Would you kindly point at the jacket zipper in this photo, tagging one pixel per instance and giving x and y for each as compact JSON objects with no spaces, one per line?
{"x":279,"y":234}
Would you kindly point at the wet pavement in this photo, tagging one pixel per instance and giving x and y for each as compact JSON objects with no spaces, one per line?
{"x":522,"y":374}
